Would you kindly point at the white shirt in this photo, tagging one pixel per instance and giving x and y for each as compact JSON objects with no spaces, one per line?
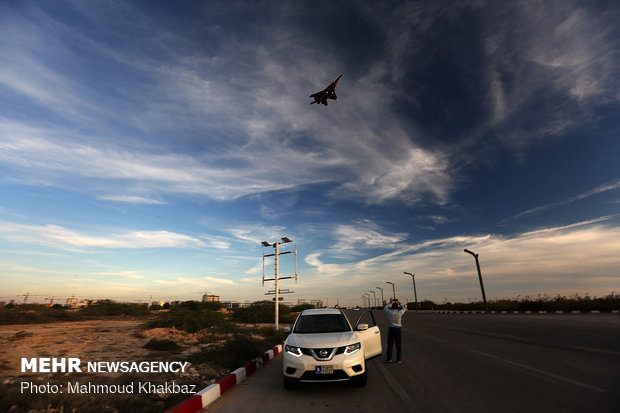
{"x":395,"y":316}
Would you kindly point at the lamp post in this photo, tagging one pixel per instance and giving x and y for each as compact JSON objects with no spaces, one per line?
{"x":363,"y":301}
{"x":415,"y":293}
{"x":484,"y":297}
{"x":374,"y":300}
{"x":382,"y":300}
{"x":276,"y":246}
{"x":393,"y":289}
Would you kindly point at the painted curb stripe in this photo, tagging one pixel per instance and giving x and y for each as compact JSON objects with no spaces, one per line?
{"x":211,"y":393}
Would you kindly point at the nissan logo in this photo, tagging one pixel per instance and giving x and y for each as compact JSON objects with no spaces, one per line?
{"x":323,"y":353}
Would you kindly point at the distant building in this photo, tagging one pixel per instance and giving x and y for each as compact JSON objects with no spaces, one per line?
{"x":208,"y":298}
{"x":71,"y":302}
{"x":230,"y":305}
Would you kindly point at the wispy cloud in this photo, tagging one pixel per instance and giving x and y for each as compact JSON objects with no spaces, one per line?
{"x":553,"y":260}
{"x":584,"y":195}
{"x":132,"y":199}
{"x":64,"y":238}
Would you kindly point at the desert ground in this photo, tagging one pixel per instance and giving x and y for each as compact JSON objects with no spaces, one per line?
{"x":110,"y":339}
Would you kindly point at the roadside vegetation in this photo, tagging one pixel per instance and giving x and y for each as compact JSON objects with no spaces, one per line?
{"x":542,"y":302}
{"x":39,"y":314}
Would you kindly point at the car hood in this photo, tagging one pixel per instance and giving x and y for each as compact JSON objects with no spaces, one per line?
{"x":322,"y":339}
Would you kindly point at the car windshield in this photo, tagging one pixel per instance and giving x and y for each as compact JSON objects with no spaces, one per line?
{"x":322,"y":323}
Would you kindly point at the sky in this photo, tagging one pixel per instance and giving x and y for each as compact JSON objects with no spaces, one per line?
{"x":147,"y":148}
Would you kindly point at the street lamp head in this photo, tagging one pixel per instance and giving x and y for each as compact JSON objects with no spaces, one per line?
{"x":470,"y":252}
{"x":408,"y":273}
{"x":387,"y":282}
{"x":265,"y":244}
{"x":286,"y":239}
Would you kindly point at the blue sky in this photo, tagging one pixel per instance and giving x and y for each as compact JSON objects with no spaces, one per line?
{"x":147,"y":148}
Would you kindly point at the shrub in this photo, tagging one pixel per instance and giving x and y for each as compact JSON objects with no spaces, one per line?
{"x":161,"y":345}
{"x":191,"y":319}
{"x":263,"y":312}
{"x":236,"y":352}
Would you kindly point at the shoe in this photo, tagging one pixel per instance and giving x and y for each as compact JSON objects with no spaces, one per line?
{"x":389,"y":361}
{"x":399,"y":362}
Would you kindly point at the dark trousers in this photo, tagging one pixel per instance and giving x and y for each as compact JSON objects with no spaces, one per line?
{"x":394,"y":336}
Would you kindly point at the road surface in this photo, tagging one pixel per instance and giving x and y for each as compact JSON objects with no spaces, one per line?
{"x":465,"y":362}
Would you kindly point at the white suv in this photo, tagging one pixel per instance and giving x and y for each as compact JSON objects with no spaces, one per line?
{"x":323,"y":347}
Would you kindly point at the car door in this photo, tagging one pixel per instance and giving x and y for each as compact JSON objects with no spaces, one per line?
{"x":370,"y":337}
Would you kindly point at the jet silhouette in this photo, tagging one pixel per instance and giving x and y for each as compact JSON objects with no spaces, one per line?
{"x":328,"y":93}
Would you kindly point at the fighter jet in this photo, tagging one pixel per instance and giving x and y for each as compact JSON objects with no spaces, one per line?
{"x":328,"y":93}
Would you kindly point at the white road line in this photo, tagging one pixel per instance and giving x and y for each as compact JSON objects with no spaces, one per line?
{"x":434,"y":338}
{"x":596,"y":350}
{"x":506,"y":336}
{"x":398,"y":389}
{"x":544,"y":373}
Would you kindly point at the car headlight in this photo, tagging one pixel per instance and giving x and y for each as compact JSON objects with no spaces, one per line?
{"x":293,"y":351}
{"x":352,"y":348}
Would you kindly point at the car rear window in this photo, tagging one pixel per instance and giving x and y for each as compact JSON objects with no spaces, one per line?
{"x":321,"y":323}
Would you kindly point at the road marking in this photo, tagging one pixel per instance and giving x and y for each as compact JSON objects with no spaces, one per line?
{"x":596,"y":350}
{"x":398,"y":389}
{"x":506,"y":336}
{"x":434,"y":338}
{"x":544,"y":373}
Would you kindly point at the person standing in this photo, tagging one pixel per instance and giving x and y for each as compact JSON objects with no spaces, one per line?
{"x":395,"y":311}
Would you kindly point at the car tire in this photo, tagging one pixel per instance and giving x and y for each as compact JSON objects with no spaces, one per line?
{"x":288,"y":383}
{"x":360,"y":381}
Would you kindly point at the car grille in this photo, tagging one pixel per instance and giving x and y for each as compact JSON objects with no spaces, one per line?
{"x":324,"y":353}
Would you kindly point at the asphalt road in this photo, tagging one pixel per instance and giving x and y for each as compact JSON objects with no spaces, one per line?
{"x":466,"y":362}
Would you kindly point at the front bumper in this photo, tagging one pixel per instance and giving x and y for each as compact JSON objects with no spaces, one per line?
{"x":302,"y":368}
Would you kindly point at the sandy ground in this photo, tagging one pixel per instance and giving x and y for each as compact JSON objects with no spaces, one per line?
{"x":112,"y":339}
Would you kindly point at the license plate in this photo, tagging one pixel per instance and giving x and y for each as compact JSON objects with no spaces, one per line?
{"x":324,"y":369}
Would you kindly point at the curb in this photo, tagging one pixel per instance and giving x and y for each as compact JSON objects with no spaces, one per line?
{"x":211,"y":393}
{"x":517,"y":312}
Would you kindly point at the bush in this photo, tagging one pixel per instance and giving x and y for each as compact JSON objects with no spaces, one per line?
{"x":301,"y":307}
{"x":112,"y":308}
{"x":191,"y":318}
{"x":161,"y":345}
{"x":239,"y":350}
{"x":263,"y":312}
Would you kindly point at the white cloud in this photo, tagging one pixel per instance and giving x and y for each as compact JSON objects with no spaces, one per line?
{"x":64,"y":238}
{"x":132,"y":199}
{"x":574,"y":258}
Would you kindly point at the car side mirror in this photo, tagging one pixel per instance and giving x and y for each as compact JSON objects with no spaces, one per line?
{"x":362,"y":327}
{"x":286,"y":329}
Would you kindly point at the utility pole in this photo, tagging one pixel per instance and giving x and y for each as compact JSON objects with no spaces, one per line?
{"x":277,"y":278}
{"x":415,"y":293}
{"x":484,"y":297}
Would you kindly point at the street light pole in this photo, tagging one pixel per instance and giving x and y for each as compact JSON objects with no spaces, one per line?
{"x":484,"y":297}
{"x":382,"y":300}
{"x":415,"y":293}
{"x":393,"y":289}
{"x":374,"y":300}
